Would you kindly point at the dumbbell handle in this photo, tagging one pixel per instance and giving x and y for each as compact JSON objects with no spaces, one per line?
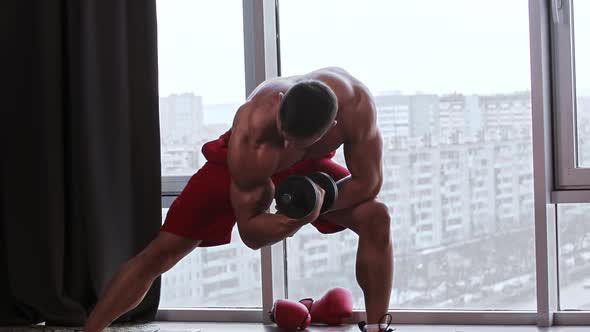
{"x":328,"y":185}
{"x":286,"y":198}
{"x":289,"y":195}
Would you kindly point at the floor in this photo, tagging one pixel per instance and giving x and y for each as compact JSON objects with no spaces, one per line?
{"x":255,"y":327}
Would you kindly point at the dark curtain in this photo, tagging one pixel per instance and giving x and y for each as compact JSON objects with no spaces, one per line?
{"x":80,"y":167}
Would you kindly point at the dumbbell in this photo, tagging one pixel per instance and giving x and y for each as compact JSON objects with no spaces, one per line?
{"x":295,"y":196}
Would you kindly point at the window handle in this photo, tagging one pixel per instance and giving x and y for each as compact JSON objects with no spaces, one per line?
{"x":558,"y":9}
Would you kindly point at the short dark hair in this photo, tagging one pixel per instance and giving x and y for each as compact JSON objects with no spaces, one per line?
{"x":308,"y":108}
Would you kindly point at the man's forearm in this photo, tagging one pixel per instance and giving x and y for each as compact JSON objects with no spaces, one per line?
{"x":266,"y":229}
{"x":353,"y":191}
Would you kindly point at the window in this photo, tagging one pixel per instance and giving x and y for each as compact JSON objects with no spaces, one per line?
{"x":574,"y":256}
{"x":463,"y":159}
{"x":572,"y":106}
{"x":570,"y":59}
{"x":451,"y":86}
{"x":201,"y":75}
{"x":582,"y":80}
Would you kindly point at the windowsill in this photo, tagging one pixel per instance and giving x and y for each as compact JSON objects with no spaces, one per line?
{"x":258,"y":327}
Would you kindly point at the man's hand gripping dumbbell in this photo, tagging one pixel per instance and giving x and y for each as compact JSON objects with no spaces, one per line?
{"x":306,"y":197}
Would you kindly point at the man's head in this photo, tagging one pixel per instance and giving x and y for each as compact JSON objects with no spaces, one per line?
{"x":307,"y":111}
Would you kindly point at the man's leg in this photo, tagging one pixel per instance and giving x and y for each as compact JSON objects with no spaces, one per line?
{"x":129,"y":286}
{"x":374,"y":259}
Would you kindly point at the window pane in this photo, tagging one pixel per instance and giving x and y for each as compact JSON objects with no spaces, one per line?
{"x":451,"y":86}
{"x":582,"y":54}
{"x":574,"y":256}
{"x":223,"y":276}
{"x":201,"y":75}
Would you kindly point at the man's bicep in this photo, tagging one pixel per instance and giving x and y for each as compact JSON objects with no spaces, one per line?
{"x":249,"y":202}
{"x":363,"y":159}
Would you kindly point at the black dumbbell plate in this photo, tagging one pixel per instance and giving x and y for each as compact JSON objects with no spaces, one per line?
{"x":327,"y":183}
{"x":295,"y":197}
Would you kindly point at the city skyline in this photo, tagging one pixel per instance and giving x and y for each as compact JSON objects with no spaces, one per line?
{"x":458,"y":180}
{"x":432,"y":172}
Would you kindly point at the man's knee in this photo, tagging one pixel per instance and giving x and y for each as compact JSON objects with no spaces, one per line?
{"x":377,"y":223}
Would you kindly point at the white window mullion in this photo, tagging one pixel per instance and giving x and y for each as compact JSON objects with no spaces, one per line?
{"x":260,"y":49}
{"x":545,"y":222}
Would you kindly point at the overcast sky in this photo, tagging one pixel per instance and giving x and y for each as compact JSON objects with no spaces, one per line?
{"x":430,"y":46}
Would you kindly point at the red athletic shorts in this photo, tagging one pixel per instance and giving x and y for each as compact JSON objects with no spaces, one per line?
{"x":203,"y":210}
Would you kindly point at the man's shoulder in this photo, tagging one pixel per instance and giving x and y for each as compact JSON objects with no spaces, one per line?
{"x":250,"y":163}
{"x":333,"y":74}
{"x":335,"y":70}
{"x":344,"y":85}
{"x":270,"y":87}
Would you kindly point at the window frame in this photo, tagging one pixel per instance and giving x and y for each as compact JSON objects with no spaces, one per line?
{"x":261,"y":54}
{"x":569,"y":177}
